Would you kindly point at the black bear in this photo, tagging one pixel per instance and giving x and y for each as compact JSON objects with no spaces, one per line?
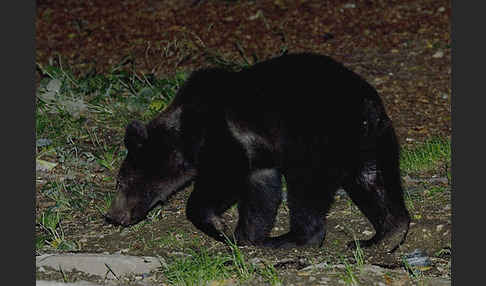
{"x":234,"y":134}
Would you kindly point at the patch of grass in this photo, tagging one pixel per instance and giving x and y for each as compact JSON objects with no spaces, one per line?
{"x":430,"y":155}
{"x":358,"y":254}
{"x":349,"y":277}
{"x":270,"y":274}
{"x":238,"y":259}
{"x":435,"y":190}
{"x":173,"y":239}
{"x":446,"y":251}
{"x":413,"y":273}
{"x":108,"y":157}
{"x":56,"y":192}
{"x":106,"y":200}
{"x":69,"y":195}
{"x":197,"y":269}
{"x":64,"y":102}
{"x":40,"y":241}
{"x":201,"y":266}
{"x":247,"y":270}
{"x":409,"y":201}
{"x":50,"y":223}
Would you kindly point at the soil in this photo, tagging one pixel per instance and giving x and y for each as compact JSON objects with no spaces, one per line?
{"x":168,"y":234}
{"x":402,"y":47}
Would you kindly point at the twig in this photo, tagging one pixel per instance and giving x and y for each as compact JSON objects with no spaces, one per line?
{"x":110,"y":270}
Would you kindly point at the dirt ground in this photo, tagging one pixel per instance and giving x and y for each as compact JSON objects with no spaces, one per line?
{"x":402,"y":47}
{"x":168,"y":234}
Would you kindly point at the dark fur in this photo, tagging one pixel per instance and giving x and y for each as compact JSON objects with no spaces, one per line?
{"x":303,"y":116}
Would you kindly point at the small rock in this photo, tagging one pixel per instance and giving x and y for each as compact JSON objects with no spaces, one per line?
{"x":76,"y":108}
{"x":417,"y":258}
{"x":441,"y":9}
{"x":324,"y":280}
{"x":41,"y":142}
{"x":178,"y":253}
{"x":439,"y":227}
{"x":321,"y":265}
{"x":437,"y":281}
{"x":54,"y":283}
{"x":124,"y":232}
{"x":438,"y":55}
{"x":258,"y":14}
{"x":367,"y":232}
{"x":54,"y":85}
{"x":341,"y":193}
{"x":373,"y":269}
{"x":44,"y":166}
{"x":442,"y":180}
{"x":349,"y":6}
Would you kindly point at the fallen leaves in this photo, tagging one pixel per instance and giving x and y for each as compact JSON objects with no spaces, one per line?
{"x":409,"y":39}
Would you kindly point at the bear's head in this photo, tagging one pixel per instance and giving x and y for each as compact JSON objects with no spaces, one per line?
{"x":153,"y":169}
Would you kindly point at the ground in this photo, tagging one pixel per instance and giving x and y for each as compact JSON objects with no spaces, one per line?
{"x":401,"y":47}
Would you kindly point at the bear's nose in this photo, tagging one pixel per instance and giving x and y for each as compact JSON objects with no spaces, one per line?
{"x":116,"y":220}
{"x":109,"y":219}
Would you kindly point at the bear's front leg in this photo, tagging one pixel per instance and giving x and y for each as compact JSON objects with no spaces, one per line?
{"x":310,"y":195}
{"x":211,"y":197}
{"x":258,"y":206}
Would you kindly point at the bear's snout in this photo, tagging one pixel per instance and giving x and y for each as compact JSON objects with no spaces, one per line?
{"x":119,"y":218}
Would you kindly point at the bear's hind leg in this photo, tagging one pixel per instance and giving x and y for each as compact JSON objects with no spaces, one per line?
{"x":376,"y":190}
{"x":385,"y":211}
{"x":258,"y":206}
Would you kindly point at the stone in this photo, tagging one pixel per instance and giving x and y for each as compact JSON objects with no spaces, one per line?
{"x":99,"y":264}
{"x":53,"y":283}
{"x":418,"y":258}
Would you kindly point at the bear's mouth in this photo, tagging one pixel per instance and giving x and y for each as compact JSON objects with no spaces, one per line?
{"x":120,"y":215}
{"x":124,"y":218}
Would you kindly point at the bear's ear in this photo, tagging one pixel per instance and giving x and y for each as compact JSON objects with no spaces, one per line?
{"x":135,"y":136}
